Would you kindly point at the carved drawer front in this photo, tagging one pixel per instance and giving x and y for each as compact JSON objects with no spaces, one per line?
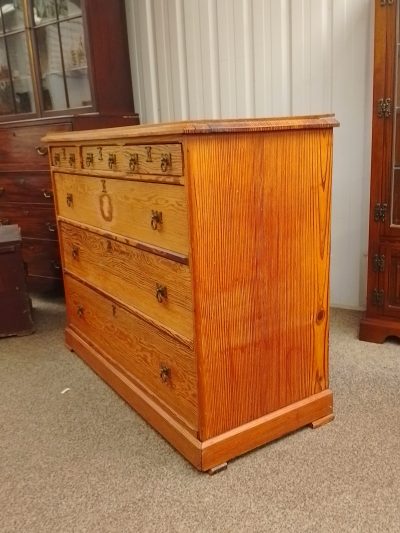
{"x":21,"y":148}
{"x":160,"y":159}
{"x":33,"y":187}
{"x":152,"y":213}
{"x":158,"y":287}
{"x":42,"y":258}
{"x":160,"y":364}
{"x":107,"y":157}
{"x":65,"y":157}
{"x":35,"y":221}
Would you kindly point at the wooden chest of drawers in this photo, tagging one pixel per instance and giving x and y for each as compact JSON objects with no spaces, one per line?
{"x":196,"y":267}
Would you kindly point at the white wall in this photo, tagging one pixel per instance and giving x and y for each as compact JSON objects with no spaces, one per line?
{"x":252,"y":58}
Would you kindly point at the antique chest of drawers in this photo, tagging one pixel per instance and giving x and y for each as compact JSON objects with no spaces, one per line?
{"x":195,"y":258}
{"x":15,"y":304}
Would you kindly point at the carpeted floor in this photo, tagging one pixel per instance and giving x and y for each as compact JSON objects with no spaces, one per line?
{"x":83,"y":461}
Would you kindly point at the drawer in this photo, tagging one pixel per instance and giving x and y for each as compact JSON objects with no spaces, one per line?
{"x":158,"y":287}
{"x":159,"y":362}
{"x":21,"y":147}
{"x":42,"y":258}
{"x":65,"y":157}
{"x":33,"y":187}
{"x":35,"y":221}
{"x":159,"y":159}
{"x":152,"y":213}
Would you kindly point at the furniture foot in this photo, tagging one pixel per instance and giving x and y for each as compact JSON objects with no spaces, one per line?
{"x":322,"y":421}
{"x":217,"y":469}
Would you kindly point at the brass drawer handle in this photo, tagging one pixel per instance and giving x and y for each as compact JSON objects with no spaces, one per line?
{"x":165,"y":373}
{"x":51,"y":227}
{"x":89,"y":159}
{"x":42,"y":150}
{"x":75,"y":251}
{"x":161,"y":293}
{"x":156,"y":219}
{"x":70,"y":199}
{"x":57,"y":160}
{"x":47,"y":194}
{"x":71,"y":160}
{"x":4,"y":221}
{"x":80,"y":311}
{"x":166,"y":161}
{"x":112,"y":161}
{"x":56,"y":265}
{"x":133,"y":162}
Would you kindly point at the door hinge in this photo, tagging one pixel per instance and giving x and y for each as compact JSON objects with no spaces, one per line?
{"x":380,"y":212}
{"x":378,"y":296}
{"x":386,"y":2}
{"x":384,"y":107}
{"x":378,"y":263}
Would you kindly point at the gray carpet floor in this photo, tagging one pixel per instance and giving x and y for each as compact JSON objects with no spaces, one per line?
{"x":83,"y":461}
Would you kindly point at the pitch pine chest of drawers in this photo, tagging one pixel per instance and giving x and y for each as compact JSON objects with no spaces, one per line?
{"x":195,"y":258}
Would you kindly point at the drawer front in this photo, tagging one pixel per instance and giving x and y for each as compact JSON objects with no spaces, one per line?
{"x":152,"y":213}
{"x":35,"y":222}
{"x":34,"y":187}
{"x":159,"y":159}
{"x":42,"y":258}
{"x":65,"y":157}
{"x":158,"y":287}
{"x":159,"y":362}
{"x":21,"y":147}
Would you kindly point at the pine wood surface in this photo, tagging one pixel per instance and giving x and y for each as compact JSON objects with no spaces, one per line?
{"x":128,"y":205}
{"x":135,"y":347}
{"x":261,"y":312}
{"x":112,"y":266}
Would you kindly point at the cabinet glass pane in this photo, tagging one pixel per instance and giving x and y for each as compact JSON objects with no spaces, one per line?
{"x":51,"y":70}
{"x":6,"y":99}
{"x":395,"y":199}
{"x":20,"y":71}
{"x":69,"y":8}
{"x":76,"y":71}
{"x":44,"y":11}
{"x":12,"y":14}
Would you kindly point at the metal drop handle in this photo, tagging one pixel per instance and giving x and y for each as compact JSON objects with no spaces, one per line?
{"x":156,"y":219}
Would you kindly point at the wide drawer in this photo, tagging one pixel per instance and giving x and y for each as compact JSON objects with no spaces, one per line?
{"x":159,"y":362}
{"x":159,"y":159}
{"x":33,"y":187}
{"x":35,"y":221}
{"x":21,"y":147}
{"x":152,"y":213}
{"x":42,"y":258}
{"x":156,"y":286}
{"x":65,"y":157}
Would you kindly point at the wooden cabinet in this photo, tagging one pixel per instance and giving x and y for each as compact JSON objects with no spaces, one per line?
{"x":382,"y":317}
{"x":57,"y":73}
{"x":196,"y":267}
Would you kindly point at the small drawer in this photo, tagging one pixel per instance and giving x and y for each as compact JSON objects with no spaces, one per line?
{"x":32,"y":187}
{"x":42,"y":258}
{"x":158,"y":287}
{"x":102,"y":158}
{"x":152,"y":213}
{"x":159,"y":159}
{"x":35,"y":221}
{"x":159,"y":362}
{"x":65,"y":157}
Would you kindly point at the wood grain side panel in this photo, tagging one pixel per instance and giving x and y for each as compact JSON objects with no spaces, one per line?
{"x":135,"y":347}
{"x":266,"y":429}
{"x":125,"y":207}
{"x":260,"y":235}
{"x":112,"y":267}
{"x":160,"y":420}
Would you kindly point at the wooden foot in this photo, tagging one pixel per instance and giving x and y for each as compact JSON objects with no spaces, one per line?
{"x":322,"y":421}
{"x":378,"y":329}
{"x":217,"y":469}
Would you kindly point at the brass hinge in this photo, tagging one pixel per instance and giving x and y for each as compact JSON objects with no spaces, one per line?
{"x":384,"y":107}
{"x":386,"y":2}
{"x":380,"y":212}
{"x":378,"y":296}
{"x":378,"y":263}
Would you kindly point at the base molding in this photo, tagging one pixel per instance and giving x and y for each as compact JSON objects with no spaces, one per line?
{"x":378,"y":329}
{"x":212,"y":453}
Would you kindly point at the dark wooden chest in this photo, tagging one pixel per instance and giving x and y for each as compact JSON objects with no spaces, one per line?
{"x":15,"y":304}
